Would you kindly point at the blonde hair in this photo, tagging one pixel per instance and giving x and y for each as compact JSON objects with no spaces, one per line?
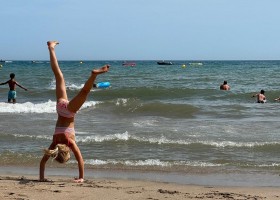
{"x":61,"y":153}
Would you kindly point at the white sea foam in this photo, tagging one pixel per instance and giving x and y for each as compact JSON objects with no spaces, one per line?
{"x":163,"y":140}
{"x":28,"y":107}
{"x":52,"y":85}
{"x":224,"y":144}
{"x":69,"y":85}
{"x":121,"y":102}
{"x":96,"y":138}
{"x":72,"y":86}
{"x":269,"y":165}
{"x":150,"y":162}
{"x":47,"y":137}
{"x":89,"y":104}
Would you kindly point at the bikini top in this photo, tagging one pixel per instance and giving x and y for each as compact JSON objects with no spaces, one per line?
{"x":62,"y":110}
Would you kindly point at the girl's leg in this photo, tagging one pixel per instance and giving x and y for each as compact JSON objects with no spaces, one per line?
{"x":60,"y":83}
{"x":76,"y":103}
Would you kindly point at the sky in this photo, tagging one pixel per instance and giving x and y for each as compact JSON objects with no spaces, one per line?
{"x":141,"y":29}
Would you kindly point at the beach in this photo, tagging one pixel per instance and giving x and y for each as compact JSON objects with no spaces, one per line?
{"x":28,"y":187}
{"x":157,"y":125}
{"x":22,"y":183}
{"x":158,"y":132}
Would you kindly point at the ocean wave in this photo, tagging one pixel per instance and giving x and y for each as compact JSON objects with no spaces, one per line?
{"x":151,"y":93}
{"x":162,"y":140}
{"x":7,"y":136}
{"x":150,"y":162}
{"x":11,"y":157}
{"x":156,"y":108}
{"x":174,"y":93}
{"x":268,"y":165}
{"x":29,"y":107}
{"x":68,"y":85}
{"x":120,"y":137}
{"x":224,"y":144}
{"x":145,"y":123}
{"x":72,"y":86}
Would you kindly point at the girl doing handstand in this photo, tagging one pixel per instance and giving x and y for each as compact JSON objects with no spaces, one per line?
{"x":64,"y":134}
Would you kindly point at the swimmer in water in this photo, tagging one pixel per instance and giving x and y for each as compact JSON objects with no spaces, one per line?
{"x":224,"y":86}
{"x":260,"y":97}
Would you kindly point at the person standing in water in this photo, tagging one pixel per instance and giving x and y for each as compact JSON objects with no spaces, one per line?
{"x":224,"y":86}
{"x":64,"y":134}
{"x":12,"y":94}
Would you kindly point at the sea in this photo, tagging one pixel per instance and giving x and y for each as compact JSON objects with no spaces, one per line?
{"x":164,"y":119}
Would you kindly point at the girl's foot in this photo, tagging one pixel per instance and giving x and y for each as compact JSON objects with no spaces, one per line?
{"x":101,"y":70}
{"x":52,"y":44}
{"x":44,"y":180}
{"x":78,"y":180}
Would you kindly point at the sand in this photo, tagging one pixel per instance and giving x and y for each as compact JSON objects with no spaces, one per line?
{"x":61,"y":187}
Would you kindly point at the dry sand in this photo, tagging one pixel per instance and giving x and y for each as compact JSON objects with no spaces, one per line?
{"x":60,"y":187}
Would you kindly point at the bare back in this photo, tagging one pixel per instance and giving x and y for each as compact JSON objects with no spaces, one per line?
{"x":224,"y":87}
{"x":261,"y":97}
{"x":12,"y":84}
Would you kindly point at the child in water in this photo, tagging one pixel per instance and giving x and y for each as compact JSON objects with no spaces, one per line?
{"x":225,"y":86}
{"x":64,"y":134}
{"x":260,"y":97}
{"x":12,"y":94}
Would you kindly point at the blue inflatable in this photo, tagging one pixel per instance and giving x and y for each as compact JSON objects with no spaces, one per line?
{"x":103,"y":84}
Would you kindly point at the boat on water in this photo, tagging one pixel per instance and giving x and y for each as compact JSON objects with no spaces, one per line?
{"x":129,"y":64}
{"x":164,"y":63}
{"x":5,"y":61}
{"x":36,"y":62}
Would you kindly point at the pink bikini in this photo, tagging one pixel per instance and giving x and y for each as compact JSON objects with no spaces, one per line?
{"x":62,"y":110}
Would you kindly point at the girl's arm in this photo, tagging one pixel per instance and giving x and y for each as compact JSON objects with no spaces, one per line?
{"x":42,"y":167}
{"x":43,"y":164}
{"x":80,"y":161}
